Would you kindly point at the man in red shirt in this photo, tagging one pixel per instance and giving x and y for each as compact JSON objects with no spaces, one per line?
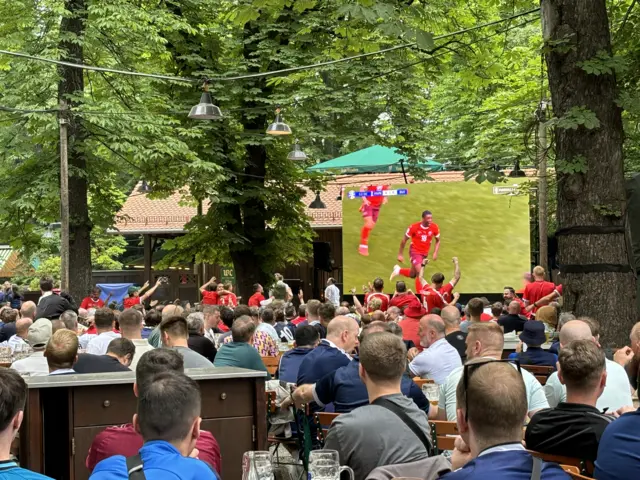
{"x":410,"y":324}
{"x":537,"y":289}
{"x":229,"y":299}
{"x":302,"y":315}
{"x":438,"y":295}
{"x":370,"y":208}
{"x":402,"y":298}
{"x":93,"y":300}
{"x":134,"y":294}
{"x":257,"y":297}
{"x":212,"y":292}
{"x":378,"y":287}
{"x":421,"y":234}
{"x":509,"y":295}
{"x":125,"y":440}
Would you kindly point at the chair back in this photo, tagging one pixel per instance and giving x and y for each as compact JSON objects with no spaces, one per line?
{"x":443,"y":435}
{"x":323,"y":421}
{"x":422,"y":381}
{"x":583,"y":466}
{"x":541,"y":372}
{"x":272,"y":364}
{"x":271,"y":402}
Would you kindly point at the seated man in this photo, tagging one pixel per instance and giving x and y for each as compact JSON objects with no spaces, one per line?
{"x":105,"y":321}
{"x":120,"y":353}
{"x":512,"y":321}
{"x":13,"y":396}
{"x":125,"y":440}
{"x":346,"y":390}
{"x":197,"y":340}
{"x":175,"y":334}
{"x":533,"y":336}
{"x":306,"y":339}
{"x":240,"y":352}
{"x":375,"y":435}
{"x":168,"y":419}
{"x":439,"y":358}
{"x":62,"y":352}
{"x":618,"y":451}
{"x":574,"y":427}
{"x":486,"y":340}
{"x":492,"y":405}
{"x":35,"y":364}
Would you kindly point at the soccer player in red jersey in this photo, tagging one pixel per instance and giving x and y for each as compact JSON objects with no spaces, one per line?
{"x":370,"y":209}
{"x":438,"y":295}
{"x":421,"y":235}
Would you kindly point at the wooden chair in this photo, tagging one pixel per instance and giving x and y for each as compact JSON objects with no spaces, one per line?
{"x":583,"y":466}
{"x":272,"y":364}
{"x":422,"y":381}
{"x":443,"y":435}
{"x":270,"y":398}
{"x":323,"y":421}
{"x":570,"y":469}
{"x":541,"y":372}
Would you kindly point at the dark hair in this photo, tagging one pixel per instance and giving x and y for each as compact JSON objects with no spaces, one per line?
{"x":243,"y":328}
{"x":104,"y":318}
{"x":13,"y":396}
{"x":496,"y":309}
{"x":290,"y":311}
{"x":256,"y":287}
{"x":212,"y":287}
{"x":401,"y":287}
{"x":306,"y":335}
{"x":130,"y":318}
{"x":267,"y":316}
{"x":152,"y":318}
{"x":327,"y":311}
{"x":302,"y":310}
{"x":122,"y":347}
{"x":242,"y":310}
{"x":168,"y":406}
{"x":95,"y":289}
{"x":437,"y":277}
{"x":157,"y":361}
{"x":175,"y":326}
{"x":10,"y":315}
{"x":475,"y":306}
{"x":426,"y":212}
{"x":378,"y":284}
{"x":279,"y":315}
{"x":511,"y":289}
{"x":46,"y":284}
{"x":227,"y":316}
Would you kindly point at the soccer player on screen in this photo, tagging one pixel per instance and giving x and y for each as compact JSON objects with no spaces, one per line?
{"x":370,"y":209}
{"x":421,"y":234}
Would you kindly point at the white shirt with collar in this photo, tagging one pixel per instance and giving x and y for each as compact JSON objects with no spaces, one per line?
{"x":16,"y":342}
{"x":62,"y":371}
{"x":45,"y":294}
{"x":332,"y":294}
{"x":35,"y":365}
{"x":99,"y":344}
{"x":142,"y":346}
{"x":436,"y":362}
{"x":333,"y":345}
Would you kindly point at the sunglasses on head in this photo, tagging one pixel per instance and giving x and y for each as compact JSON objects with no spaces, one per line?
{"x":471,"y":367}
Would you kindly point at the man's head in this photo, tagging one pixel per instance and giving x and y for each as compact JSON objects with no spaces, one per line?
{"x":195,"y":323}
{"x":130,"y":323}
{"x":635,"y":338}
{"x":123,"y":349}
{"x":331,"y":281}
{"x":257,"y":288}
{"x":70,"y":320}
{"x":378,"y":316}
{"x":563,"y":318}
{"x":374,"y":304}
{"x":39,"y":334}
{"x":278,"y":277}
{"x":212,"y":315}
{"x":341,"y":311}
{"x":484,"y":340}
{"x":46,"y":284}
{"x":427,"y":218}
{"x":496,"y":309}
{"x":22,"y":327}
{"x":152,"y":318}
{"x":28,"y":309}
{"x":393,"y":314}
{"x":475,"y":308}
{"x":533,"y":333}
{"x":267,"y":316}
{"x":9,"y":315}
{"x":509,"y":294}
{"x":95,"y":293}
{"x":57,"y":324}
{"x":227,"y":316}
{"x":62,"y":350}
{"x":312,"y":309}
{"x":374,"y":327}
{"x":594,"y":326}
{"x":326,"y":313}
{"x":383,"y":359}
{"x":243,"y":329}
{"x":575,"y":330}
{"x":133,"y":291}
{"x":431,"y":330}
{"x":13,"y":396}
{"x":437,"y":279}
{"x":104,"y":320}
{"x":538,"y":272}
{"x":172,"y":311}
{"x":451,"y":317}
{"x":169,"y":410}
{"x":378,"y":284}
{"x":302,"y":310}
{"x":343,"y":332}
{"x":220,"y":288}
{"x":156,"y":361}
{"x":401,"y":287}
{"x":289,"y":312}
{"x":581,"y":367}
{"x":307,"y":336}
{"x":491,"y":404}
{"x":174,"y":331}
{"x":514,"y":308}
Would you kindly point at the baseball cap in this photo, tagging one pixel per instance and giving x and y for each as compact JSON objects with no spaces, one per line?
{"x":132,"y":289}
{"x":40,"y":332}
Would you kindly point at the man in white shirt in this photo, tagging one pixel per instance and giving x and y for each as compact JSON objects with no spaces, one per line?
{"x":105,"y":321}
{"x":17,"y":341}
{"x":131,"y":328}
{"x":332,"y":293}
{"x":439,"y":358}
{"x":62,"y":352}
{"x":35,"y":364}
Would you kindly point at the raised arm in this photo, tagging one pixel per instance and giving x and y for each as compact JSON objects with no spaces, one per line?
{"x":144,"y":287}
{"x":150,"y":292}
{"x":456,"y":272}
{"x":357,"y":303}
{"x":204,"y":287}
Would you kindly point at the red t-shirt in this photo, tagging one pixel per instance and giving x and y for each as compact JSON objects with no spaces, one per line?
{"x":210,"y":298}
{"x":534,"y":291}
{"x":222,"y":327}
{"x":298,"y":320}
{"x":376,"y":201}
{"x":131,"y":301}
{"x":522,"y":307}
{"x":229,"y":300}
{"x":484,"y":317}
{"x":421,"y":236}
{"x":559,"y":289}
{"x":255,"y":299}
{"x":89,"y":302}
{"x":384,"y":298}
{"x":402,"y":300}
{"x":440,"y":298}
{"x":124,"y":440}
{"x":410,"y":330}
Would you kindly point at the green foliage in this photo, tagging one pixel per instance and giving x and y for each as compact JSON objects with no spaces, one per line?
{"x":577,"y":164}
{"x":576,"y":117}
{"x":608,"y":210}
{"x":603,"y":63}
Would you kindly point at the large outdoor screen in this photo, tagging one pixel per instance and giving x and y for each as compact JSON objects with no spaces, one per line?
{"x":486,"y":226}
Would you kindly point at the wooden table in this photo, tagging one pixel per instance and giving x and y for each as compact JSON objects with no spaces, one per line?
{"x":64,"y":413}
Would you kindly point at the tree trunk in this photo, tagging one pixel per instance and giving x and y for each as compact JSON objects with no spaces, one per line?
{"x":592,"y":245}
{"x":71,"y":84}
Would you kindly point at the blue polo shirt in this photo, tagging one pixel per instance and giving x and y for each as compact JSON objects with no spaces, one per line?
{"x":535,"y":356}
{"x":161,"y":460}
{"x":619,"y":449}
{"x":290,"y":364}
{"x":9,"y":470}
{"x":323,"y":359}
{"x":346,"y":391}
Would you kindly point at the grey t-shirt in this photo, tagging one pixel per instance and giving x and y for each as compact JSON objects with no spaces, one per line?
{"x":193,"y":359}
{"x":372,"y":436}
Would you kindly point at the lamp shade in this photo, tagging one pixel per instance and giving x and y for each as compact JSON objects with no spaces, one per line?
{"x":297,"y":154}
{"x":278,"y":127}
{"x":317,"y":202}
{"x":205,"y":110}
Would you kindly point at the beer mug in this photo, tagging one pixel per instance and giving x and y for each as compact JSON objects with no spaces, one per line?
{"x":256,"y":465}
{"x":325,"y":465}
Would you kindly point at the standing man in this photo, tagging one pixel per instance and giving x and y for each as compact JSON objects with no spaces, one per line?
{"x":509,"y":295}
{"x":537,"y":289}
{"x":93,"y":300}
{"x":378,"y":292}
{"x":134,"y":294}
{"x":212,"y":292}
{"x":370,"y":208}
{"x":257,"y":297}
{"x":439,"y":358}
{"x":438,"y":295}
{"x":421,"y":235}
{"x":401,"y":298}
{"x":332,"y":293}
{"x":50,"y":305}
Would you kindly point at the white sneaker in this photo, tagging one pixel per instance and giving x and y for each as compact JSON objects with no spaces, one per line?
{"x":395,"y":272}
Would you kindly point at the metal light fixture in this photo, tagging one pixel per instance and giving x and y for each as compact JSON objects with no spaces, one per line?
{"x":278,"y":127}
{"x":317,"y":202}
{"x":297,"y":154}
{"x":205,"y":110}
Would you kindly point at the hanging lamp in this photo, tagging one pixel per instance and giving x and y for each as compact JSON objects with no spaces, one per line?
{"x":317,"y":202}
{"x":278,"y":127}
{"x":297,"y":154}
{"x":205,"y":110}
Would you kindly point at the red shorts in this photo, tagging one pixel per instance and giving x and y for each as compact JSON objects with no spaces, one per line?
{"x":371,"y":211}
{"x":416,"y":258}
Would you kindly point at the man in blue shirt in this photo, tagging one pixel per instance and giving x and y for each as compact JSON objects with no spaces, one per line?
{"x":491,"y":407}
{"x":533,"y":336}
{"x":619,"y":450}
{"x":168,"y":419}
{"x":306,"y":339}
{"x":13,"y":395}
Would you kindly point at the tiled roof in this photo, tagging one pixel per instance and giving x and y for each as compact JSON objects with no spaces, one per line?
{"x":140,"y":214}
{"x":9,"y":261}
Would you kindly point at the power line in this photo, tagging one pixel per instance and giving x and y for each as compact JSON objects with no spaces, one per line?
{"x":261,"y":74}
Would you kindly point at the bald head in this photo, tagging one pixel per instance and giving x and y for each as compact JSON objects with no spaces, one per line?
{"x":378,"y":316}
{"x":431,"y":330}
{"x":514,"y":308}
{"x":450,"y":316}
{"x":28,"y":310}
{"x":343,"y":332}
{"x":485,"y":339}
{"x":575,"y":330}
{"x":635,"y":333}
{"x":22,"y":327}
{"x":57,"y":325}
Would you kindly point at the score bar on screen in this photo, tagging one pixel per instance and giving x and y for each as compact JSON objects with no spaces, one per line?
{"x":379,"y":193}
